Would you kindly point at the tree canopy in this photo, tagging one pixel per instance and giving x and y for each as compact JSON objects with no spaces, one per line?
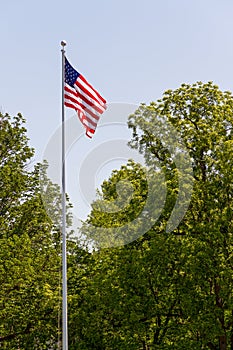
{"x":29,"y":258}
{"x":160,"y":272}
{"x":168,"y":290}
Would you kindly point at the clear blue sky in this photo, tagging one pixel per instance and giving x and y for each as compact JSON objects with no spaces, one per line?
{"x":131,"y":50}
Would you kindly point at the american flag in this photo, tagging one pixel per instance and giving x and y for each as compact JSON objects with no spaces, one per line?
{"x":83,"y":98}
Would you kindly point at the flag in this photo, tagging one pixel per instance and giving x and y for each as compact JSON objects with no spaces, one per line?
{"x":83,"y":98}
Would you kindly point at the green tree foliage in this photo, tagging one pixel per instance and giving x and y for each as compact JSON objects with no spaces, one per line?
{"x":164,"y":290}
{"x":29,"y":249}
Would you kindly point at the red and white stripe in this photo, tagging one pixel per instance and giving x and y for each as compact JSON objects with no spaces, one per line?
{"x":87,"y":102}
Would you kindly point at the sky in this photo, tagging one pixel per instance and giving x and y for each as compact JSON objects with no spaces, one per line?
{"x":131,"y":51}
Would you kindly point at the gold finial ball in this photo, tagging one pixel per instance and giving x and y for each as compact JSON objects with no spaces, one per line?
{"x":63,"y":43}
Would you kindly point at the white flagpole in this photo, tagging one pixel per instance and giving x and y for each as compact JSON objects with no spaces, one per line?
{"x":64,"y":262}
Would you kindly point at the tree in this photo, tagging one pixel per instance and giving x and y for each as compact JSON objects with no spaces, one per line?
{"x":167,"y":290}
{"x":29,"y":249}
{"x":202,"y":115}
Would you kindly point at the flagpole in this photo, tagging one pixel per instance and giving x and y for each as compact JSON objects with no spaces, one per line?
{"x":64,"y":262}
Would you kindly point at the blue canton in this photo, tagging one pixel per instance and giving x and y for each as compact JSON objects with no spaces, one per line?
{"x":71,"y":75}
